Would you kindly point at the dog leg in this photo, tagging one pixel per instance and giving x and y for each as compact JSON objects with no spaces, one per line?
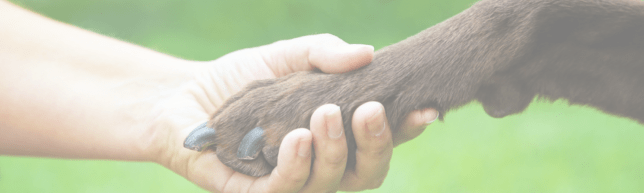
{"x":501,"y":52}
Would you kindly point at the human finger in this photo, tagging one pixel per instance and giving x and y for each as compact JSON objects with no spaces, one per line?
{"x":414,"y":125}
{"x":326,"y":52}
{"x":330,"y":147}
{"x":293,"y":165}
{"x":374,"y":148}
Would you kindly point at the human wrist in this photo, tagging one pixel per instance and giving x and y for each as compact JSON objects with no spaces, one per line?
{"x":165,"y":112}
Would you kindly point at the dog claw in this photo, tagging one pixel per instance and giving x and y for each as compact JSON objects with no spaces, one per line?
{"x":200,"y":138}
{"x":251,"y":144}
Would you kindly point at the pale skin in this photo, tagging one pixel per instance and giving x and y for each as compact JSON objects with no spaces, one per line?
{"x":71,"y":93}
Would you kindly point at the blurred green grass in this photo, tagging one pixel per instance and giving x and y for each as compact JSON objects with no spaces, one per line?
{"x":551,"y":147}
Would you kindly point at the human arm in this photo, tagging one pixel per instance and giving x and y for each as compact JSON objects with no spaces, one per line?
{"x":67,"y":92}
{"x":70,"y":93}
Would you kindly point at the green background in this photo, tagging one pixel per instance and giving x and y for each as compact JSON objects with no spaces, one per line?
{"x":551,"y":147}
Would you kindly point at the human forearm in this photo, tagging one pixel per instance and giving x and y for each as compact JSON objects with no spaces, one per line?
{"x":67,"y":92}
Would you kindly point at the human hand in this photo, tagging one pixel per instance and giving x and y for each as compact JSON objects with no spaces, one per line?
{"x":216,"y":81}
{"x":100,"y":98}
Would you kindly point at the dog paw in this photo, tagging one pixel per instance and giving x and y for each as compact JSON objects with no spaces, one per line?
{"x":247,"y":130}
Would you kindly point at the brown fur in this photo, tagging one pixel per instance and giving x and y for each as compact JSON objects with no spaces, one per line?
{"x":502,"y":53}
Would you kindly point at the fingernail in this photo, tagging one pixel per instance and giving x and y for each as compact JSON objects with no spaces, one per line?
{"x":334,"y":126}
{"x":376,"y":123}
{"x":304,"y":149}
{"x":429,"y":114}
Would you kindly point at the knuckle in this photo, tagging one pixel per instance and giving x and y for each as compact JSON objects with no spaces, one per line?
{"x":281,"y":43}
{"x":378,"y":150}
{"x":336,"y":158}
{"x":376,"y":184}
{"x":292,"y":178}
{"x":369,"y":184}
{"x":362,"y":186}
{"x":296,"y":180}
{"x":327,"y":36}
{"x":359,"y":186}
